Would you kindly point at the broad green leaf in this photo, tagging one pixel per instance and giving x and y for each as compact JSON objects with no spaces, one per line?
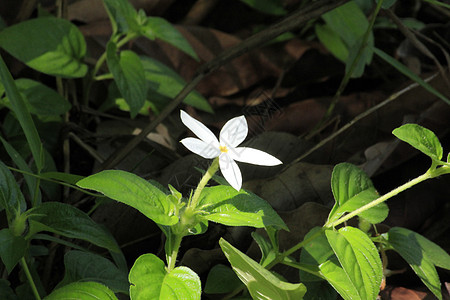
{"x":331,"y":40}
{"x":150,"y":280}
{"x":359,"y":259}
{"x":315,"y":252}
{"x":6,"y":291}
{"x":155,"y":27}
{"x":12,"y":248}
{"x":221,"y":279}
{"x":347,"y":181}
{"x":407,"y":72}
{"x":266,"y":248}
{"x":23,"y":115}
{"x":350,"y":23}
{"x":11,"y":198}
{"x":71,"y":222}
{"x":134,"y":191}
{"x":339,"y":280}
{"x":41,"y":99}
{"x":261,"y":283}
{"x":374,"y":215}
{"x":82,"y":290}
{"x":129,"y":76}
{"x":82,"y":265}
{"x":49,"y":45}
{"x":225,"y":205}
{"x":435,"y":254}
{"x":271,"y":7}
{"x":167,"y":82}
{"x":122,"y":15}
{"x":413,"y":249}
{"x":420,"y":138}
{"x":31,"y":181}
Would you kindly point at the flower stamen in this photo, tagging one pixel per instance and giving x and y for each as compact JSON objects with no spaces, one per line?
{"x":223,"y":149}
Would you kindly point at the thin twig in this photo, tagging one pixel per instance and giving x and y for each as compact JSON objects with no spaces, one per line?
{"x":358,"y":118}
{"x":291,"y":22}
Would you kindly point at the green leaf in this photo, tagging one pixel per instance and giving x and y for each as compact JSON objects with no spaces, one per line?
{"x":418,"y":253}
{"x":31,"y":181}
{"x":150,"y":280}
{"x":12,"y":248}
{"x":315,"y":252}
{"x":351,"y":184}
{"x":167,"y":82}
{"x":129,"y":76}
{"x":134,"y":191}
{"x":359,"y":259}
{"x":23,"y":115}
{"x":420,"y":138}
{"x":331,"y":40}
{"x":6,"y":291}
{"x":57,"y":46}
{"x":82,"y":265}
{"x":221,"y":279}
{"x":82,"y":290}
{"x":41,"y":99}
{"x":11,"y":198}
{"x":155,"y":27}
{"x":261,"y":283}
{"x":439,"y":3}
{"x":71,"y":222}
{"x":350,"y":23}
{"x":374,"y":215}
{"x":435,"y":254}
{"x":407,"y":72}
{"x":339,"y":280}
{"x":225,"y":205}
{"x":271,"y":7}
{"x":122,"y":15}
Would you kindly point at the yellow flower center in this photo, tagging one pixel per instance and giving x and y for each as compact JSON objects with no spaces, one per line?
{"x":223,"y":149}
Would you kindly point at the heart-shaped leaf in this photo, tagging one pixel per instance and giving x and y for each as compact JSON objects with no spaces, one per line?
{"x":82,"y":290}
{"x":150,"y":280}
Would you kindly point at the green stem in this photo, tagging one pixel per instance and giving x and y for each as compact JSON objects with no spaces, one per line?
{"x":208,"y":175}
{"x":429,"y":174}
{"x":30,"y":278}
{"x":55,"y":181}
{"x":349,"y":74}
{"x":172,"y":258}
{"x":288,"y":252}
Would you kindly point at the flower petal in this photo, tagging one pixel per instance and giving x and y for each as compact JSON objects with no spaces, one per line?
{"x":234,"y":132}
{"x":230,"y":171}
{"x":199,"y":129}
{"x":201,"y":148}
{"x":254,"y":156}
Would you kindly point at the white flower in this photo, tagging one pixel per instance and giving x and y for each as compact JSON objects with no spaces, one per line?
{"x":232,"y":134}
